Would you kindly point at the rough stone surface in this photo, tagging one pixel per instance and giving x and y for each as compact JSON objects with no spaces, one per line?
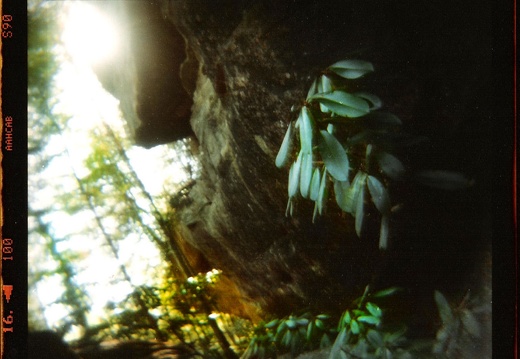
{"x":252,"y":62}
{"x":256,"y":62}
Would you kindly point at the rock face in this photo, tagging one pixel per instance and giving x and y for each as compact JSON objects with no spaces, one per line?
{"x":253,"y":61}
{"x":259,"y":60}
{"x":145,"y":75}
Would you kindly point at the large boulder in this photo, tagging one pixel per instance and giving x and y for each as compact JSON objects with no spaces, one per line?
{"x":257,"y":60}
{"x":242,"y":65}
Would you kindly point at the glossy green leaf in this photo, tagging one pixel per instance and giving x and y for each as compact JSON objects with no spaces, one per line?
{"x":315,"y":185}
{"x":343,"y":103}
{"x":354,"y":326}
{"x":320,"y":324}
{"x":334,"y":156}
{"x":369,"y":319}
{"x":302,"y":321}
{"x":331,"y":128}
{"x":310,"y":331}
{"x":351,"y":69}
{"x":374,"y":310}
{"x":306,"y":174}
{"x":306,"y":130}
{"x":273,"y":323}
{"x":322,"y":194}
{"x":340,"y":191}
{"x":445,"y":180}
{"x":294,"y":176}
{"x":391,"y":165}
{"x":285,"y":148}
{"x":360,"y":211}
{"x":291,"y":323}
{"x":353,"y":192}
{"x":384,"y":231}
{"x":379,"y":194}
{"x":312,"y":89}
{"x":325,"y":86}
{"x":375,"y":101}
{"x":323,"y":316}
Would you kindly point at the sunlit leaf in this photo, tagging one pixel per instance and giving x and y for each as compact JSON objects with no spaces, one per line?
{"x":374,"y":310}
{"x":391,"y":166}
{"x":351,"y":69}
{"x":369,"y":319}
{"x":315,"y":185}
{"x":342,"y":103}
{"x":320,"y":324}
{"x":340,"y":190}
{"x":334,"y":156}
{"x":372,"y":99}
{"x":291,"y":323}
{"x":285,"y":148}
{"x":331,"y":128}
{"x":360,"y":211}
{"x":384,"y":231}
{"x":354,"y":326}
{"x":306,"y":130}
{"x":379,"y":194}
{"x":445,"y":180}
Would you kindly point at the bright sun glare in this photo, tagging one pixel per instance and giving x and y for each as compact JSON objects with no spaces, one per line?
{"x":89,"y":36}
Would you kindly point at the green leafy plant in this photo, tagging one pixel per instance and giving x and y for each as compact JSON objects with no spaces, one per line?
{"x":359,"y":330}
{"x":460,"y":324}
{"x":361,"y":333}
{"x":292,"y":334}
{"x":346,"y":142}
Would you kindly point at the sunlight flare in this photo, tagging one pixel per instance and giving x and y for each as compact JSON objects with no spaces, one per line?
{"x":89,"y":36}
